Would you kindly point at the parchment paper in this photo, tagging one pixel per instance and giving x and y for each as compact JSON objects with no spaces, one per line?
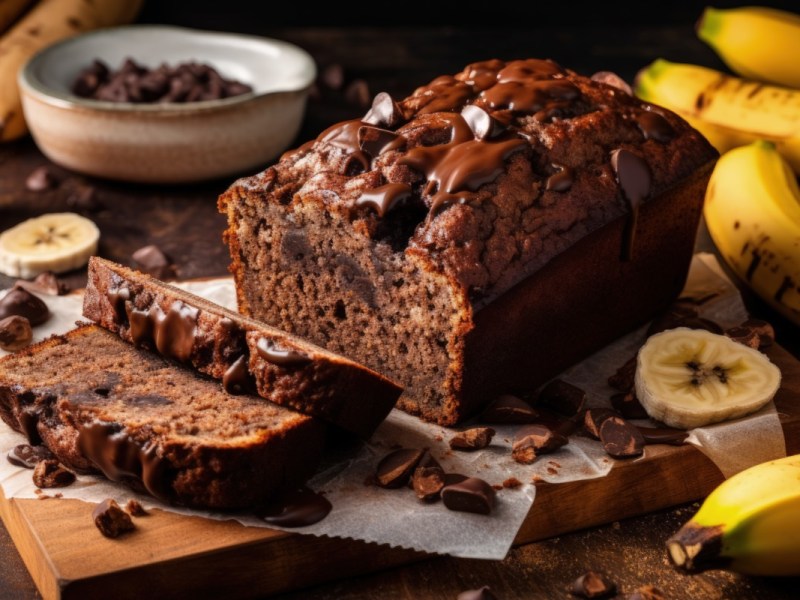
{"x":396,"y":517}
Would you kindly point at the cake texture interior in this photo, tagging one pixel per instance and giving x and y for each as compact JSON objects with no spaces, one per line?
{"x":476,"y":237}
{"x":99,"y":404}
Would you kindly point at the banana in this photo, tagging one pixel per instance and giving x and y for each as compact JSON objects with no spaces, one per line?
{"x":752,"y":211}
{"x":55,"y":242}
{"x":691,"y":377}
{"x":728,"y":111}
{"x":755,"y":42}
{"x":749,"y":524}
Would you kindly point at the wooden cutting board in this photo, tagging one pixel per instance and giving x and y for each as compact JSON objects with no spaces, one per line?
{"x":174,"y":556}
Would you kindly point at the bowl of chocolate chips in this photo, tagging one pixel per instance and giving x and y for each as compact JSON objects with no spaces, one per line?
{"x":158,"y":104}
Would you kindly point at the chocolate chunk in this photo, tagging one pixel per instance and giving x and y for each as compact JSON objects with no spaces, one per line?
{"x":646,"y":592}
{"x":135,"y":509}
{"x":452,"y":478}
{"x":623,"y":379}
{"x":333,"y":76}
{"x":508,"y":409}
{"x":593,"y":420}
{"x":482,"y":124}
{"x":471,"y":495}
{"x":84,"y":198}
{"x":593,"y":585}
{"x":21,"y":302}
{"x":15,"y":333}
{"x":745,"y":336}
{"x":562,"y":397}
{"x":384,"y":112}
{"x":476,"y":438}
{"x":396,"y":467}
{"x":673,"y":317}
{"x":357,"y":93}
{"x":428,"y":479}
{"x":375,"y":141}
{"x":482,"y":593}
{"x":654,"y":127}
{"x":663,"y":435}
{"x":49,"y":473}
{"x":628,"y":405}
{"x":511,"y":483}
{"x":297,"y":508}
{"x":614,"y":80}
{"x":765,"y":331}
{"x":533,"y":440}
{"x":620,"y":438}
{"x":111,"y":520}
{"x":27,"y":456}
{"x":45,"y":283}
{"x":152,"y":260}
{"x":41,"y":179}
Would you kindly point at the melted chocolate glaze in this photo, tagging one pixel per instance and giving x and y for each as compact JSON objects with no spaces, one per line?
{"x":384,"y":198}
{"x":634,"y":178}
{"x":271,"y":352}
{"x":561,"y":180}
{"x":173,"y":334}
{"x":238,"y":379}
{"x":299,"y":508}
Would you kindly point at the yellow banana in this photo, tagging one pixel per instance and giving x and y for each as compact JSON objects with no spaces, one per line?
{"x":729,"y":111}
{"x":752,"y":211}
{"x":749,"y":524}
{"x":755,"y":42}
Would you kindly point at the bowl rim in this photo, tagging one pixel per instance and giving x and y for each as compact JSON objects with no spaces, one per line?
{"x":28,"y":82}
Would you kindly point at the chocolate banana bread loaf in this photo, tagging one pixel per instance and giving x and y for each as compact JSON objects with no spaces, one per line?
{"x":99,"y":404}
{"x":478,"y":236}
{"x":247,"y":356}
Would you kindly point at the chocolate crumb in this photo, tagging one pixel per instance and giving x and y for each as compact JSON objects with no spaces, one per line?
{"x":646,"y":592}
{"x":84,"y":198}
{"x":50,"y":474}
{"x":552,"y":471}
{"x":512,"y":483}
{"x":476,"y":438}
{"x":135,"y":509}
{"x":15,"y":333}
{"x":41,"y":179}
{"x":593,"y":585}
{"x":111,"y":520}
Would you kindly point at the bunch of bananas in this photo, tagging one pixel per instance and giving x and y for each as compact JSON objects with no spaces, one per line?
{"x":752,"y":205}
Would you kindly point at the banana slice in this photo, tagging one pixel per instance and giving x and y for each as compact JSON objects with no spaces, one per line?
{"x":55,"y":242}
{"x":690,"y":377}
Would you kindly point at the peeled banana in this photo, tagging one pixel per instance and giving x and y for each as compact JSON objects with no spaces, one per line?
{"x":54,"y":242}
{"x":688,"y":378}
{"x":755,"y":42}
{"x":729,"y":111}
{"x":749,"y":524}
{"x":752,"y":211}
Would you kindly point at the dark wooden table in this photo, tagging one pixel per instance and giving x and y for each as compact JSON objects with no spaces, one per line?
{"x":184,"y":222}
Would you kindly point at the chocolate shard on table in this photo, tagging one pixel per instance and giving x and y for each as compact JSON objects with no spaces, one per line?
{"x":49,"y":473}
{"x":428,"y":479}
{"x":241,"y":352}
{"x":20,"y":302}
{"x":562,"y":397}
{"x":628,"y":405}
{"x":621,"y":439}
{"x":488,"y":275}
{"x":476,"y":438}
{"x":507,"y":409}
{"x":27,"y":456}
{"x":472,"y":495}
{"x":532,"y":440}
{"x":593,"y":585}
{"x":15,"y":333}
{"x":111,"y":520}
{"x":593,"y":419}
{"x":395,"y":469}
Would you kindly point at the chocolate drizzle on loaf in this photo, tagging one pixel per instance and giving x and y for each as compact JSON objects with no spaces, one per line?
{"x":119,"y":457}
{"x":384,"y":198}
{"x":635,"y":180}
{"x":275,"y":354}
{"x":173,"y":334}
{"x":237,"y":379}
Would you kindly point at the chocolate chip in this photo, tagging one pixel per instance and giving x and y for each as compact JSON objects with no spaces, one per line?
{"x":395,"y":468}
{"x":593,"y":585}
{"x":333,"y":76}
{"x":374,"y":140}
{"x":471,"y":495}
{"x":152,"y":260}
{"x":384,"y":112}
{"x":482,"y":124}
{"x":111,"y":520}
{"x":15,"y":333}
{"x":84,"y":198}
{"x":663,"y":435}
{"x":646,"y":592}
{"x":357,"y":92}
{"x":745,"y":336}
{"x":765,"y":331}
{"x":623,"y":379}
{"x":49,"y":473}
{"x":482,"y":593}
{"x":41,"y":179}
{"x":508,"y":409}
{"x":562,"y":397}
{"x":533,"y":440}
{"x":428,"y":479}
{"x":620,"y":438}
{"x":476,"y":438}
{"x":593,"y":420}
{"x":27,"y":456}
{"x":628,"y":405}
{"x":134,"y":508}
{"x":614,"y":80}
{"x":45,"y":283}
{"x":21,"y":302}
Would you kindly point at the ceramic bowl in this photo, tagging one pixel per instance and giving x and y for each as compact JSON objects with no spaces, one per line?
{"x":167,"y":143}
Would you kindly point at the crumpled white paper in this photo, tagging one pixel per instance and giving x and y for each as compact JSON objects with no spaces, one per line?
{"x":396,"y":517}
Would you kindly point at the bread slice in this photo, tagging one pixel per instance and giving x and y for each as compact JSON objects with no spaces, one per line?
{"x":99,"y":404}
{"x":240,"y":351}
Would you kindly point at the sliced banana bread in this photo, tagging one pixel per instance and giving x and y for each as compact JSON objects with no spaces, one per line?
{"x":100,"y":404}
{"x":245,"y":354}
